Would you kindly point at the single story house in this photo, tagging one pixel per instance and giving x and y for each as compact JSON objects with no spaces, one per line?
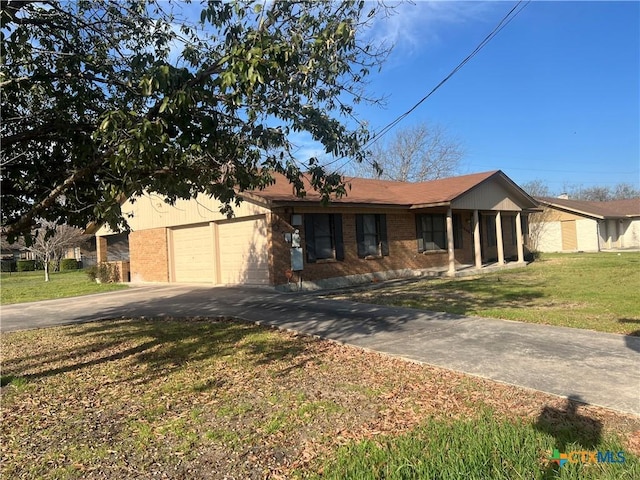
{"x":381,"y":229}
{"x":567,"y":225}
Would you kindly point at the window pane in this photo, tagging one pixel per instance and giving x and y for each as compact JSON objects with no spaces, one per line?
{"x":321,"y":225}
{"x":433,"y":232}
{"x":323,"y":238}
{"x":369,"y":224}
{"x":323,"y":247}
{"x":438,"y":223}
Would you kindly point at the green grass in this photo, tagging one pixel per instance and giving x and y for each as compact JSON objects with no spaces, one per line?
{"x":593,"y":291}
{"x":194,"y":398}
{"x":475,"y":449}
{"x":31,"y":287}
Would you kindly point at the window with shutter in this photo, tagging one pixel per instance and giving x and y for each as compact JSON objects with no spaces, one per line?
{"x":323,"y":236}
{"x":371,"y":235}
{"x":432,"y":232}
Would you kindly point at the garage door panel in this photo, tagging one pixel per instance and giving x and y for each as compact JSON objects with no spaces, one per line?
{"x":243,"y":252}
{"x":193,"y":254}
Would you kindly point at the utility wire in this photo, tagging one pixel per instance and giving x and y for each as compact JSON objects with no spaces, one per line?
{"x":518,"y":7}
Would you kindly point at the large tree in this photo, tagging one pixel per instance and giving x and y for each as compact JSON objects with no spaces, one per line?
{"x":416,"y":153}
{"x":104,"y":99}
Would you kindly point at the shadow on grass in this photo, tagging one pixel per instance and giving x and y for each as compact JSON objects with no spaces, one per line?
{"x":632,"y":339}
{"x":462,"y":296}
{"x":568,"y":427}
{"x":161,"y":345}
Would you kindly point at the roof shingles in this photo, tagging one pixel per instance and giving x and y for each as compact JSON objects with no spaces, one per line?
{"x":382,"y":192}
{"x":611,"y":209}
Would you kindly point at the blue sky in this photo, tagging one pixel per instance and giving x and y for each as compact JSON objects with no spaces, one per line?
{"x":555,"y":96}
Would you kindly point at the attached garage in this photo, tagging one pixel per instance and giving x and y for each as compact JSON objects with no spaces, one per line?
{"x":193,"y":254}
{"x":244,"y":257}
{"x":229,"y":252}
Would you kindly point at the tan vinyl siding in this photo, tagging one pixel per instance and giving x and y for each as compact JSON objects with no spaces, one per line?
{"x":487,"y":196}
{"x":150,"y":211}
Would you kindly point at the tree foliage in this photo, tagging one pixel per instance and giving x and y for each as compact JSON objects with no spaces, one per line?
{"x":414,"y":154}
{"x":105,"y":99}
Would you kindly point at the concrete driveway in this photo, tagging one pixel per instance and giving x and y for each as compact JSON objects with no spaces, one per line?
{"x":597,"y":368}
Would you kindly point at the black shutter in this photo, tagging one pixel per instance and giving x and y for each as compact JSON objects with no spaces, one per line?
{"x":384,"y":244}
{"x":360,"y":236}
{"x":337,"y":235}
{"x":419,"y":235}
{"x":309,"y":238}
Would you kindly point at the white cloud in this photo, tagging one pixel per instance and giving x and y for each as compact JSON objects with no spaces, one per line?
{"x":413,"y":26}
{"x":305,"y":147}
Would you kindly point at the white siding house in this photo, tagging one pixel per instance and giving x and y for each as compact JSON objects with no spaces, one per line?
{"x":567,"y":225}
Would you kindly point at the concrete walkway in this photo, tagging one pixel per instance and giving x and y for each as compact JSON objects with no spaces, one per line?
{"x":598,"y":368}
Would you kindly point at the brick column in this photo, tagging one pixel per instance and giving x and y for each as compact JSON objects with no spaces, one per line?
{"x":101,"y":249}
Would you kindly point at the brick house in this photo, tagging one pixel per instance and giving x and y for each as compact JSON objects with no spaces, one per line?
{"x":381,"y":229}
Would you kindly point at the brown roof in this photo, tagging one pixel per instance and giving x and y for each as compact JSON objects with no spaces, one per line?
{"x":611,"y":209}
{"x":382,"y":192}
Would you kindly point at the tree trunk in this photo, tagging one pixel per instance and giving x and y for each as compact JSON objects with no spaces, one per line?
{"x":46,"y":268}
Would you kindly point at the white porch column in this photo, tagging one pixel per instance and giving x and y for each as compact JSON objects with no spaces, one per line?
{"x":476,"y":239}
{"x":499,"y":242}
{"x":519,"y":238}
{"x":450,"y":251}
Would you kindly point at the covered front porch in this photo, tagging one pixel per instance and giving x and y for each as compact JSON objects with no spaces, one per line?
{"x":486,"y":225}
{"x":493,"y":239}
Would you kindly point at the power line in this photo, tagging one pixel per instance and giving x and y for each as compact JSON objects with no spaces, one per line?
{"x":518,"y":7}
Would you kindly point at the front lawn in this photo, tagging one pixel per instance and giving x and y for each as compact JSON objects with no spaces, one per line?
{"x":597,"y":291}
{"x":30,"y":286}
{"x":205,"y":398}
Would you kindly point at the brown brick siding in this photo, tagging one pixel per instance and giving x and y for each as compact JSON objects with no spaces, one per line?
{"x":403,"y":247}
{"x":149,"y":255}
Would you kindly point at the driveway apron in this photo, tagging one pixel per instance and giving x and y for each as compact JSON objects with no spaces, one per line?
{"x":596,"y":368}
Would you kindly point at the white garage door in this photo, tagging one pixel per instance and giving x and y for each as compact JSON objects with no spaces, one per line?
{"x":193,"y":254}
{"x":243,"y":252}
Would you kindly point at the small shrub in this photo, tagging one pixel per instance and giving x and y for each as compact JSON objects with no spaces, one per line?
{"x":8,"y":266}
{"x":103,"y":272}
{"x":25,"y":265}
{"x":532,"y":256}
{"x":68,"y":264}
{"x":92,"y":272}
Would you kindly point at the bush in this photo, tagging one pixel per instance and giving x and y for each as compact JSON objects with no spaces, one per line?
{"x":92,"y":272}
{"x":68,"y":264}
{"x":25,"y":265}
{"x":8,"y":266}
{"x":104,"y":272}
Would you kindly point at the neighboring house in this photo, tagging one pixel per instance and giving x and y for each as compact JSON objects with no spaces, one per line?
{"x":567,"y":225}
{"x":14,"y":251}
{"x":85,"y":254}
{"x":385,"y":228}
